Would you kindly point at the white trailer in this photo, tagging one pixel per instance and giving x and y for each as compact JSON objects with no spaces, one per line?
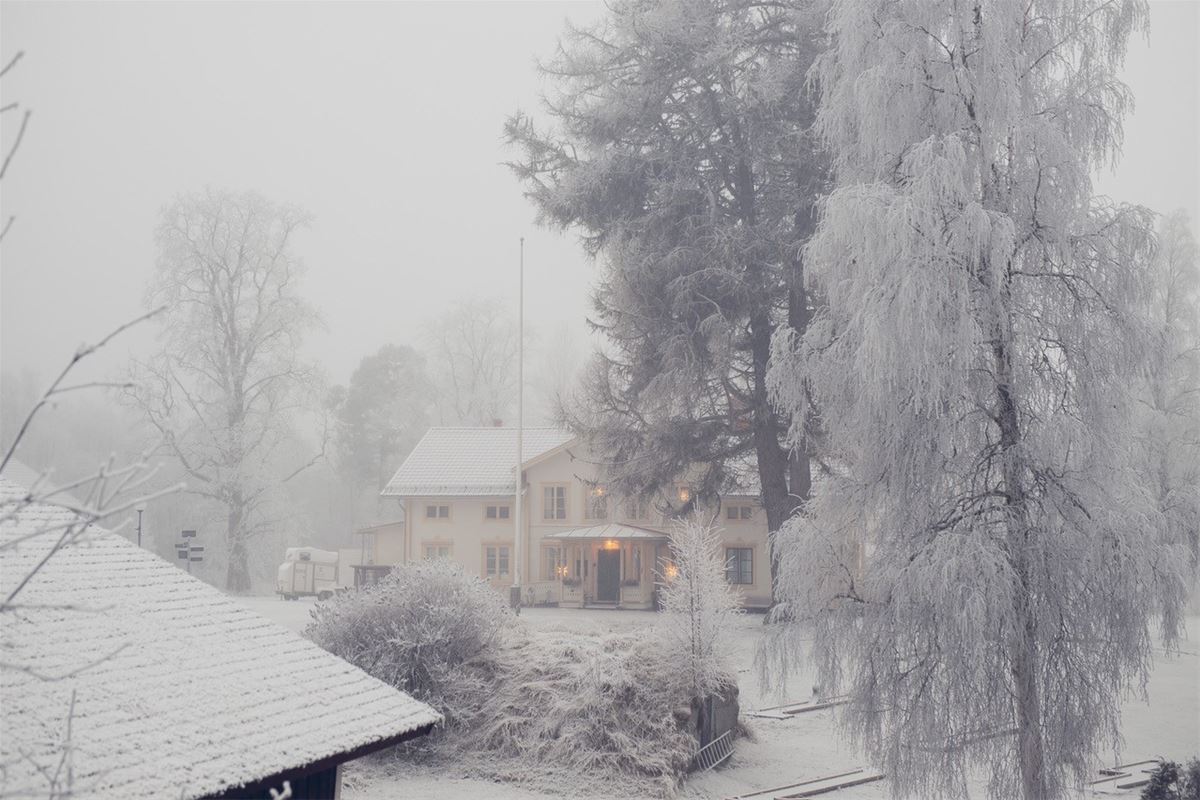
{"x":307,"y":571}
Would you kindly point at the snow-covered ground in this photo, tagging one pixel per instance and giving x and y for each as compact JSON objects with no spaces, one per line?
{"x":781,"y":751}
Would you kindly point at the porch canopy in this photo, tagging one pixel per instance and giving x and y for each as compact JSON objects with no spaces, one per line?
{"x":613,"y":531}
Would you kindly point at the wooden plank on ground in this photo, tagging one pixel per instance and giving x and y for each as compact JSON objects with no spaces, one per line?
{"x":1128,"y":767}
{"x":775,"y":790}
{"x":833,"y":785}
{"x":790,"y":709}
{"x":1136,"y":783}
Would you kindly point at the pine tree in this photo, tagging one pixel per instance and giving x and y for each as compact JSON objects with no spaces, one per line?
{"x":976,"y":366}
{"x":682,"y":156}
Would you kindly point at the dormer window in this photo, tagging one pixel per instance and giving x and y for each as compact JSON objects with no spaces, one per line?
{"x":636,"y":508}
{"x":739,"y":511}
{"x":596,"y":506}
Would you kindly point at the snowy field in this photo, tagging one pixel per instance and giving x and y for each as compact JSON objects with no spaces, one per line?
{"x":781,"y":751}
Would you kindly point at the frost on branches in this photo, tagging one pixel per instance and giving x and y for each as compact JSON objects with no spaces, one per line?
{"x":416,"y":629}
{"x":699,"y":609}
{"x":558,"y":711}
{"x":976,"y":368}
{"x":1170,"y":403}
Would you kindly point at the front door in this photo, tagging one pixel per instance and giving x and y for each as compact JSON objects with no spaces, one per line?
{"x":608,"y":576}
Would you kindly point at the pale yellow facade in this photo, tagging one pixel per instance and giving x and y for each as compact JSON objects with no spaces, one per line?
{"x":562,"y":495}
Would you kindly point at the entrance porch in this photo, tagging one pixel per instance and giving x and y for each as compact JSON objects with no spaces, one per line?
{"x":610,"y":565}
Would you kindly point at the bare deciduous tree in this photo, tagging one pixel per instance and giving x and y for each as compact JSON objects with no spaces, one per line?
{"x":16,"y":142}
{"x":27,"y":545}
{"x":227,"y":383}
{"x":473,"y":356}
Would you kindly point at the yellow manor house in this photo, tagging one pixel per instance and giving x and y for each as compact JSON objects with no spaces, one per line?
{"x":581,"y":545}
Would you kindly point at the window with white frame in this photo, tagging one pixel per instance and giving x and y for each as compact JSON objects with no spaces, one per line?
{"x":739,"y":565}
{"x":497,"y":512}
{"x":596,"y":505}
{"x":637,"y":508}
{"x":739,"y":511}
{"x":435,"y":511}
{"x":495,"y":557}
{"x":437,"y":550}
{"x":554,"y":502}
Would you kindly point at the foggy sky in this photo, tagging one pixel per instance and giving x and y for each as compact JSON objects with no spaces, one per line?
{"x":384,"y":121}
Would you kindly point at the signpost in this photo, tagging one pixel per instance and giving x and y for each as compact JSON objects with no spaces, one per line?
{"x":190,"y":553}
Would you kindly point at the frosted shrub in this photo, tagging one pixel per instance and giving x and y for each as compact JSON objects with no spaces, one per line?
{"x":563,"y":711}
{"x":414,"y":629}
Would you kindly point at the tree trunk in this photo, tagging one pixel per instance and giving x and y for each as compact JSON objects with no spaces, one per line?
{"x":799,"y":316}
{"x":237,"y":573}
{"x":1023,"y":649}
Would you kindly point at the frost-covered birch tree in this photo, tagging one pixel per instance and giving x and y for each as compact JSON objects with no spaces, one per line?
{"x":1171,"y":405}
{"x":225,"y":388}
{"x":976,"y":367}
{"x":679,"y":149}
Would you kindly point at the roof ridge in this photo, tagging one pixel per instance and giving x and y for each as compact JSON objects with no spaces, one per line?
{"x":498,"y":428}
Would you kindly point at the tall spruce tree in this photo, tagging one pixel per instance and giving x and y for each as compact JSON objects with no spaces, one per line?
{"x":976,"y":366}
{"x":681,"y":151}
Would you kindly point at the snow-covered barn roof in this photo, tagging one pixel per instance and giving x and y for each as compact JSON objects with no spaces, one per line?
{"x":142,"y":682}
{"x":470,"y":461}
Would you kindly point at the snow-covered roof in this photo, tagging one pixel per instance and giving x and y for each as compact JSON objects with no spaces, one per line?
{"x":470,"y":461}
{"x":27,"y":477}
{"x":610,"y":530}
{"x":177,"y":690}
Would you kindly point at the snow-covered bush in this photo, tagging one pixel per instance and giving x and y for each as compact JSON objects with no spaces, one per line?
{"x":562,"y":711}
{"x":415,"y":629}
{"x":699,"y":609}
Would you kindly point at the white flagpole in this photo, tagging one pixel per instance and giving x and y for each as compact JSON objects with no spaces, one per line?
{"x":519,"y":550}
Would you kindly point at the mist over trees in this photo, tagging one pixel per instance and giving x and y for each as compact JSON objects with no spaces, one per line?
{"x":977,"y":367}
{"x":861,"y":235}
{"x":473,"y":347}
{"x":680,"y":150}
{"x":381,"y":415}
{"x":1171,"y":404}
{"x":227,"y":384}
